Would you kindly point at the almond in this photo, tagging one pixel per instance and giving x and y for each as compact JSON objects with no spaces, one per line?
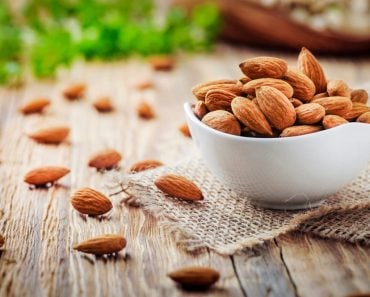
{"x":320,"y":95}
{"x":308,"y":64}
{"x":261,"y":67}
{"x":338,"y":88}
{"x":335,"y":105}
{"x":310,"y":113}
{"x":52,"y":135}
{"x":200,"y":91}
{"x":276,"y":107}
{"x":296,"y":102}
{"x":331,"y":121}
{"x":250,"y":87}
{"x":195,"y":277}
{"x":2,"y":240}
{"x":304,"y":88}
{"x":105,"y":159}
{"x":34,"y":106}
{"x":179,"y":187}
{"x":144,"y":84}
{"x":103,"y":104}
{"x":145,"y":165}
{"x":162,"y":63}
{"x":200,"y":109}
{"x":356,"y":110}
{"x":184,"y":129}
{"x":90,"y":202}
{"x":145,"y":110}
{"x":75,"y":91}
{"x":101,"y":245}
{"x":364,"y":118}
{"x":44,"y":175}
{"x":223,"y":121}
{"x":251,"y":116}
{"x":219,"y":99}
{"x":360,"y":96}
{"x":299,"y":130}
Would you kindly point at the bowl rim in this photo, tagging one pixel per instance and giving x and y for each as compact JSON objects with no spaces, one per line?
{"x":192,"y":117}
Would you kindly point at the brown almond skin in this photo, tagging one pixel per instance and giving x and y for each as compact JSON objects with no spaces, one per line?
{"x":162,"y":63}
{"x":304,"y":88}
{"x":200,"y":109}
{"x":250,"y":87}
{"x":244,"y":79}
{"x":144,"y":165}
{"x":338,"y":88}
{"x":276,"y":107}
{"x":310,"y":113}
{"x":75,"y":91}
{"x":251,"y":116}
{"x":364,"y":118}
{"x":101,"y":245}
{"x":356,"y":110}
{"x":195,"y":277}
{"x":105,"y":159}
{"x":262,"y":67}
{"x":103,"y":104}
{"x":308,"y":64}
{"x":219,"y":99}
{"x":90,"y":202}
{"x":52,"y":135}
{"x":320,"y":95}
{"x":360,"y":96}
{"x":335,"y":105}
{"x":179,"y":187}
{"x":43,"y":175}
{"x":331,"y":121}
{"x":234,"y":88}
{"x":200,"y":90}
{"x":36,"y":105}
{"x":223,"y":121}
{"x":184,"y":129}
{"x":299,"y":130}
{"x":296,"y":102}
{"x":145,"y":110}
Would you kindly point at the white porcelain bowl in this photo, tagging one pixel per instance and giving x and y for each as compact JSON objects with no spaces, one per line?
{"x":284,"y":173}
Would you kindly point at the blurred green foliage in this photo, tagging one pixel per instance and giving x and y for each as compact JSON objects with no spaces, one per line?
{"x":51,"y":33}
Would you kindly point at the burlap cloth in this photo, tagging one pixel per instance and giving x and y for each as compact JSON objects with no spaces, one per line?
{"x":226,"y":223}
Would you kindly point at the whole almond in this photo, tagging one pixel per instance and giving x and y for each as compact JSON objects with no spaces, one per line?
{"x":364,"y":118}
{"x":250,"y":87}
{"x":179,"y":187}
{"x":2,"y":240}
{"x":184,"y":129}
{"x":320,"y":95}
{"x":223,"y":121}
{"x":310,"y":113}
{"x":335,"y":105}
{"x":299,"y":130}
{"x":308,"y":64}
{"x":356,"y":110}
{"x":276,"y":107}
{"x":251,"y":116}
{"x":200,"y":90}
{"x":261,"y":67}
{"x":338,"y":88}
{"x":101,"y":245}
{"x":34,"y":106}
{"x":105,"y":159}
{"x":195,"y":277}
{"x":91,"y":202}
{"x":144,"y":84}
{"x":75,"y":91}
{"x":103,"y":104}
{"x":200,"y":109}
{"x":219,"y":99}
{"x":360,"y":96}
{"x":43,"y":175}
{"x":162,"y":63}
{"x":296,"y":102}
{"x":201,"y":93}
{"x":331,"y":121}
{"x":52,"y":135}
{"x":145,"y":165}
{"x":304,"y":88}
{"x":145,"y":110}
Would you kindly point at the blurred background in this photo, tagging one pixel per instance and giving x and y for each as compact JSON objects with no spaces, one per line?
{"x":39,"y":36}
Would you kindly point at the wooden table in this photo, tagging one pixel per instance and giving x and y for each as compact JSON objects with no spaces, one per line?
{"x":40,"y":226}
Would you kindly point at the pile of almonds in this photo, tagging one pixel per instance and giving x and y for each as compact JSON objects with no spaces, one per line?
{"x":272,"y":100}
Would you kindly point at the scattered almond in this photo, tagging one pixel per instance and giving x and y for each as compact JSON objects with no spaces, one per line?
{"x":145,"y":110}
{"x":200,"y":109}
{"x":144,"y":84}
{"x":250,"y":87}
{"x":179,"y":187}
{"x":200,"y":91}
{"x":195,"y":277}
{"x":364,"y":118}
{"x":91,"y":202}
{"x":219,"y":99}
{"x":335,"y":105}
{"x":310,"y":113}
{"x":356,"y":110}
{"x":36,"y":105}
{"x":101,"y":245}
{"x":296,"y":102}
{"x":262,"y":67}
{"x":360,"y":96}
{"x":184,"y":129}
{"x":44,"y":175}
{"x":338,"y":88}
{"x":162,"y":63}
{"x":223,"y":121}
{"x":145,"y":165}
{"x":75,"y":91}
{"x":320,"y":95}
{"x":105,"y":159}
{"x":331,"y":121}
{"x":51,"y":135}
{"x":103,"y":104}
{"x":299,"y":130}
{"x":304,"y":88}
